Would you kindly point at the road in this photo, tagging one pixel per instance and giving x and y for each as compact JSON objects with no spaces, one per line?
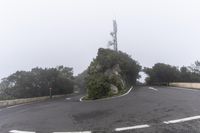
{"x":143,"y":110}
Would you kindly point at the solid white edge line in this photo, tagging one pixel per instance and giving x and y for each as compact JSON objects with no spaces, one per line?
{"x":17,"y":131}
{"x":75,"y":132}
{"x":81,"y":99}
{"x":131,"y":128}
{"x":182,"y":120}
{"x":151,"y":88}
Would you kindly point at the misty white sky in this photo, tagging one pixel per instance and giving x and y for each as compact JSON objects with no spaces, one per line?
{"x":47,"y":33}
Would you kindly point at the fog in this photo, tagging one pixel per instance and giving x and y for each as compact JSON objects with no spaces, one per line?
{"x":48,"y":33}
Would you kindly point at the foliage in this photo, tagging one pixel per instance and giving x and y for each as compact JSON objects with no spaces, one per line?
{"x":195,"y":68}
{"x":115,"y":80}
{"x":162,"y":73}
{"x":35,"y":83}
{"x":98,"y":83}
{"x":98,"y":86}
{"x":108,"y":59}
{"x":79,"y":80}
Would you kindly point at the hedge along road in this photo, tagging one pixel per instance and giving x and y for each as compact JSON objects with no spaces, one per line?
{"x":142,"y":110}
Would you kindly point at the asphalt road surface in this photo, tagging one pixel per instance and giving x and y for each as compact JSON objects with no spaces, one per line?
{"x":143,"y":110}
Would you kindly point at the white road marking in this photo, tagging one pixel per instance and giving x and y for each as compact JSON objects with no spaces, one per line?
{"x":151,"y":88}
{"x":75,"y":132}
{"x":76,"y":92}
{"x":182,"y":120}
{"x":68,"y":98}
{"x":17,"y":131}
{"x":126,"y":92}
{"x":131,"y":128}
{"x":81,"y":99}
{"x":124,"y":128}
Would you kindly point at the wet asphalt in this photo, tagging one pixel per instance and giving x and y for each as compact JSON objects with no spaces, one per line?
{"x":141,"y":106}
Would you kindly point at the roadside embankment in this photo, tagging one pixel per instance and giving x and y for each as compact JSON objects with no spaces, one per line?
{"x":185,"y":85}
{"x":25,"y":100}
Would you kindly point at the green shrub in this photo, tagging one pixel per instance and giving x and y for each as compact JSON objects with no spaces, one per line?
{"x":115,"y":80}
{"x":97,"y":86}
{"x":99,"y":79}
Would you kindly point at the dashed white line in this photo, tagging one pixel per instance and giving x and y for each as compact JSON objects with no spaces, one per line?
{"x":182,"y":120}
{"x":17,"y":131}
{"x":76,"y":92}
{"x":68,"y":98}
{"x":124,"y":128}
{"x":131,"y":128}
{"x":75,"y":132}
{"x":151,"y":88}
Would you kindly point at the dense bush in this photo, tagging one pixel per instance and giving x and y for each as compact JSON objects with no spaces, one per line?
{"x":98,"y":83}
{"x":129,"y":68}
{"x":98,"y":86}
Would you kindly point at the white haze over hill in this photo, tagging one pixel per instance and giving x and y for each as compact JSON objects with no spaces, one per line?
{"x":47,"y":33}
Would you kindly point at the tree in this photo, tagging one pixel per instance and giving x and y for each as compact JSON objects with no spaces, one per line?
{"x":195,"y":68}
{"x":102,"y":73}
{"x":80,"y":81}
{"x":129,"y":68}
{"x":35,"y":83}
{"x":162,"y":73}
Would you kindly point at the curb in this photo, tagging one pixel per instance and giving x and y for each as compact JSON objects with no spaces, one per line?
{"x":81,"y":99}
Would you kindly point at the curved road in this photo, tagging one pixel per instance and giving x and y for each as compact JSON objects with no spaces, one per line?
{"x":143,"y":110}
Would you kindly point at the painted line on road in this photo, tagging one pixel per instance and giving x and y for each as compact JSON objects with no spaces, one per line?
{"x":182,"y":120}
{"x":124,"y":128}
{"x":131,"y":128}
{"x":81,"y":99}
{"x":151,"y":88}
{"x":68,"y":98}
{"x":17,"y":131}
{"x":76,"y":92}
{"x":75,"y":132}
{"x":126,"y":92}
